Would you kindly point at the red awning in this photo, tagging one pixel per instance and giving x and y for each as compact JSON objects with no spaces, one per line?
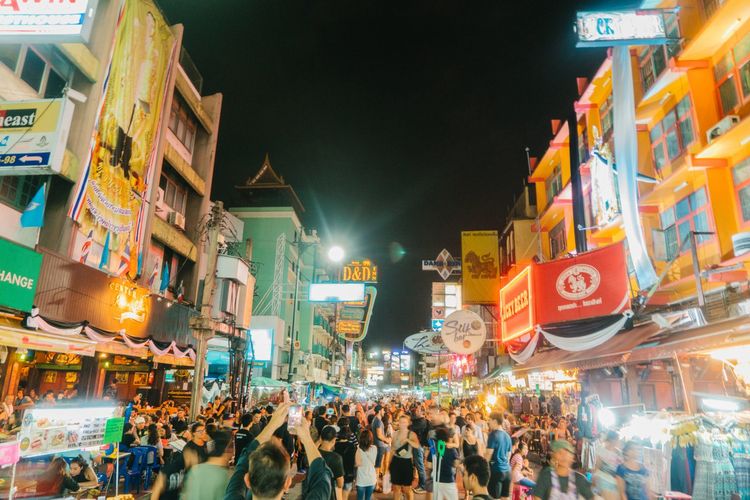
{"x":611,"y":353}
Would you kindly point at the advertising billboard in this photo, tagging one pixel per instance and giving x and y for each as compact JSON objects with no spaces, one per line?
{"x":33,"y":135}
{"x":48,"y":21}
{"x":108,"y":203}
{"x":628,"y":27}
{"x":337,"y":292}
{"x":588,"y":285}
{"x":262,"y":341}
{"x":480,"y":260}
{"x":604,"y":204}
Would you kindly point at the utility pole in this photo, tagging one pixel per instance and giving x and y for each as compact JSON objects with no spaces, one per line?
{"x":201,"y":325}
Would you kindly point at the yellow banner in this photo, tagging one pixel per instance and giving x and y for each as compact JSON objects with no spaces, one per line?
{"x":480,"y":261}
{"x":127,"y":133}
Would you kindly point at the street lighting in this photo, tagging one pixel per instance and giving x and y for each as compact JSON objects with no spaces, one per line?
{"x":336,"y":253}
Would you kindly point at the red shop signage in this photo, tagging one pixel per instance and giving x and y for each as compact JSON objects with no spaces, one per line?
{"x":585,"y":286}
{"x":517,"y":306}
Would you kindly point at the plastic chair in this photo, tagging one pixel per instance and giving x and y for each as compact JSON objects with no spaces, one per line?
{"x":151,"y":465}
{"x":136,"y":469}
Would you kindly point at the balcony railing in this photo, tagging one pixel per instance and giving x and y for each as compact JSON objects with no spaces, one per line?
{"x":191,"y":70}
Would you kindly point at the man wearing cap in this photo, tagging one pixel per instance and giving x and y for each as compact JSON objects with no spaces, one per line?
{"x":560,"y":481}
{"x":333,"y":460}
{"x":140,"y":426}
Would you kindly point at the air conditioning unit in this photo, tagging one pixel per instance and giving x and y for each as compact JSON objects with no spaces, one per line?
{"x":722,"y":127}
{"x":176,"y":219}
{"x":741,"y":243}
{"x":162,"y":210}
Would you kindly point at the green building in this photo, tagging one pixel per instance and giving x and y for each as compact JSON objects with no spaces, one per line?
{"x":288,"y":258}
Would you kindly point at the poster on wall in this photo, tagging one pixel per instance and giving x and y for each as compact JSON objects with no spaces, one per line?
{"x":480,"y":260}
{"x":108,"y":204}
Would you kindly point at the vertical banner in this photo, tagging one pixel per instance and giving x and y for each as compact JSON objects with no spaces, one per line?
{"x":481,"y":279}
{"x":109,"y":197}
{"x":626,"y":147}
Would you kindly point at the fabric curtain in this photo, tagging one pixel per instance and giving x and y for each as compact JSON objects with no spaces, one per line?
{"x":590,"y":340}
{"x":524,"y":354}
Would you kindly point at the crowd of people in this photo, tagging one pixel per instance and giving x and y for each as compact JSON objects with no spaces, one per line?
{"x":396,"y":446}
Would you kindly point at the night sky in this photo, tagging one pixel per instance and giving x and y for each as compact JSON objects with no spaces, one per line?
{"x":396,"y":121}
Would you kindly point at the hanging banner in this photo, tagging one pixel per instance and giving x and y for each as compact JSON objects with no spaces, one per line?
{"x":481,"y":279}
{"x":626,"y":146}
{"x":605,"y":206}
{"x":109,"y":198}
{"x":589,"y":285}
{"x":464,"y":332}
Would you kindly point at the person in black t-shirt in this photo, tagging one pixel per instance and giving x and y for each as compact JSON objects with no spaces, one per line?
{"x":333,"y":460}
{"x":198,"y":443}
{"x":243,"y":436}
{"x":477,"y":477}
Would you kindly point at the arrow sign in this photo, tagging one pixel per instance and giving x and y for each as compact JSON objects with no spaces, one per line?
{"x":27,"y":158}
{"x":24,"y":160}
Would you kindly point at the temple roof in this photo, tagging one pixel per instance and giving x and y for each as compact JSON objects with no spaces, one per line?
{"x":267,"y":188}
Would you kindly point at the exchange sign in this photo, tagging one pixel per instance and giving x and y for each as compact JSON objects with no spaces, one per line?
{"x":19,"y":272}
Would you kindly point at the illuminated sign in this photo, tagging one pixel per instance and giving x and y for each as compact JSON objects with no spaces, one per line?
{"x":262,"y":342}
{"x":629,"y":27}
{"x":46,"y":21}
{"x":130,"y":301}
{"x":516,"y":306}
{"x":350,"y":327}
{"x":444,"y":264}
{"x":45,"y":431}
{"x":360,"y":272}
{"x":337,"y":292}
{"x":19,"y":273}
{"x":464,"y":332}
{"x":354,"y":317}
{"x":437,"y":324}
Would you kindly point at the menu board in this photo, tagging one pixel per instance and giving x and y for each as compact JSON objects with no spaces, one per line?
{"x":54,"y":430}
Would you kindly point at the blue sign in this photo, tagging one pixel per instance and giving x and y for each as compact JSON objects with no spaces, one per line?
{"x":437,"y":324}
{"x":24,"y":160}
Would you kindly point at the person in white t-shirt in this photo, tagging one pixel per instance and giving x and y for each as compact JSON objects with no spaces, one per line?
{"x":365,"y":459}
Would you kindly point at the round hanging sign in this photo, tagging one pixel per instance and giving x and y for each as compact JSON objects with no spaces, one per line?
{"x":464,"y":332}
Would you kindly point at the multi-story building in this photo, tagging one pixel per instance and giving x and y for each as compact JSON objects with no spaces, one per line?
{"x":288,"y":258}
{"x":692,"y":113}
{"x":124,"y":141}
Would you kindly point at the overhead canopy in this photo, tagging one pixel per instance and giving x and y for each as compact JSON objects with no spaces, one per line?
{"x":268,"y":382}
{"x":729,"y":333}
{"x":614,"y":352}
{"x":13,"y":335}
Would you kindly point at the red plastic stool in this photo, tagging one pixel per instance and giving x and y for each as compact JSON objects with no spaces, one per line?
{"x":520,"y":492}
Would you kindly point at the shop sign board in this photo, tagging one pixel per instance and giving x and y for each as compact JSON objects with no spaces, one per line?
{"x":588,"y":285}
{"x":55,"y":430}
{"x":517,"y":306}
{"x":113,"y":430}
{"x":480,"y":259}
{"x":46,"y":21}
{"x":444,"y":264}
{"x":621,"y":27}
{"x":426,"y":343}
{"x":464,"y":332}
{"x":353,"y":319}
{"x":337,"y":292}
{"x":19,"y":273}
{"x":360,"y":272}
{"x":33,"y":135}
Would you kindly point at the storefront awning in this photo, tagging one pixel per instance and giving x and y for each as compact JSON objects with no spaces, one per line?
{"x":729,"y":333}
{"x":494,"y":374}
{"x":13,"y":335}
{"x":613,"y":352}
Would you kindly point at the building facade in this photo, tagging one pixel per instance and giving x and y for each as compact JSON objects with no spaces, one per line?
{"x":692,"y":116}
{"x":126,"y":191}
